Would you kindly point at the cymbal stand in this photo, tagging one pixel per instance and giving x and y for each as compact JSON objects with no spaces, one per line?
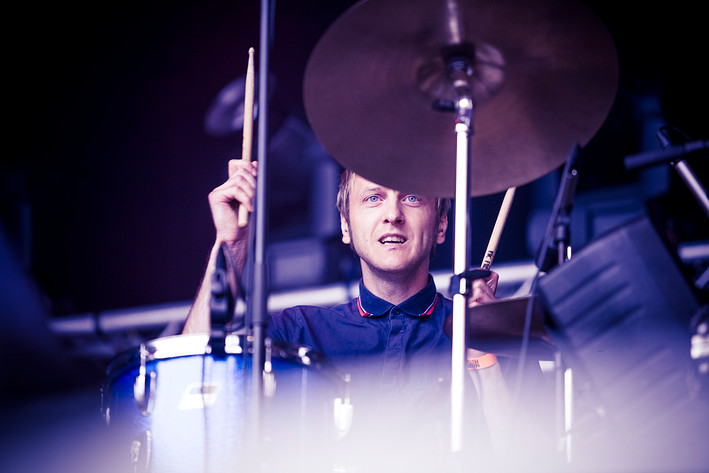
{"x":460,"y":72}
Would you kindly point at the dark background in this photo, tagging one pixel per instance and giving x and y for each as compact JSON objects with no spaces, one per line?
{"x":109,"y":162}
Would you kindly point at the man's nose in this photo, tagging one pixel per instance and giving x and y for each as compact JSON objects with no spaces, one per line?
{"x":393,"y":212}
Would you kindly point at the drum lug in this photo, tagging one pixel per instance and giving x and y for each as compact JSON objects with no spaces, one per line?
{"x":269,"y":377}
{"x":144,"y":385}
{"x":140,"y":452}
{"x":343,"y":411}
{"x":269,"y":384}
{"x":107,"y":416}
{"x":105,"y":408}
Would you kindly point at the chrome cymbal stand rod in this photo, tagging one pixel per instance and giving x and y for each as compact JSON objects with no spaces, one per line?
{"x":460,"y":71}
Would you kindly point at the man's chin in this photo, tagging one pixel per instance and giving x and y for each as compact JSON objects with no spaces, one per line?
{"x":393,"y":266}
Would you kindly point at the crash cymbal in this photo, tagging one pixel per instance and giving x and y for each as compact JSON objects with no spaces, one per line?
{"x":498,"y":327}
{"x":545,"y":75}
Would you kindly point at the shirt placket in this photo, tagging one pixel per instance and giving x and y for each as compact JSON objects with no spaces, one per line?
{"x":394,"y":351}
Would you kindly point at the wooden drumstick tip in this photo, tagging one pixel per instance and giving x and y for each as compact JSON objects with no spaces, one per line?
{"x":248,"y":126}
{"x":497,"y":230}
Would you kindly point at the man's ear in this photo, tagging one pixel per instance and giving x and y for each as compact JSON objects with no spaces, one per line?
{"x":442,"y":227}
{"x":345,"y":230}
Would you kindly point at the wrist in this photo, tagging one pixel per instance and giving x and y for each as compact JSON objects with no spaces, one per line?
{"x":480,"y":362}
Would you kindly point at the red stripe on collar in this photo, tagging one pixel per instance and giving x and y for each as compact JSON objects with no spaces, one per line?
{"x":362,"y":312}
{"x":429,"y":311}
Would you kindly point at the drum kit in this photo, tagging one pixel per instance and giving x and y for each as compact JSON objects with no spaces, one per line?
{"x":454,"y":98}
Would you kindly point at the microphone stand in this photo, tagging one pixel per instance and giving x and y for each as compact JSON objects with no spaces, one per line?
{"x":556,"y":246}
{"x":675,"y":154}
{"x":257,"y":310}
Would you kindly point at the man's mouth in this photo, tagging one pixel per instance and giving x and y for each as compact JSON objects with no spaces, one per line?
{"x":392,"y":240}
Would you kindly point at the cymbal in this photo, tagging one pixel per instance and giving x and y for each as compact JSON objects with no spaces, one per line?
{"x":498,"y":327}
{"x":544,"y":78}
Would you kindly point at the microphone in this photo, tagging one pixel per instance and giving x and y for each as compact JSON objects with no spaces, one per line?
{"x":675,"y":144}
{"x":669,"y":135}
{"x":557,"y":234}
{"x":668,"y":154}
{"x":221,"y":303}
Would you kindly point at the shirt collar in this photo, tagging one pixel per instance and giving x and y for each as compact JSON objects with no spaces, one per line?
{"x":420,"y":304}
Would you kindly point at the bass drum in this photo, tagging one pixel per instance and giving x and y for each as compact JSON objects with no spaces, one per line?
{"x":173,"y":405}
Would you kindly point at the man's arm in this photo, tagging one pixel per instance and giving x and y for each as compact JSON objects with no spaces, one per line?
{"x":224,"y":202}
{"x":494,"y":395}
{"x":485,"y":371}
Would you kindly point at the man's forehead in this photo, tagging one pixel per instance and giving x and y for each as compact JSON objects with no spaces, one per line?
{"x":362,"y":183}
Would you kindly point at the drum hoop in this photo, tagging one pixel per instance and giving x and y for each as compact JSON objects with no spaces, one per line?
{"x":177,"y":346}
{"x":174,"y":346}
{"x":185,"y":345}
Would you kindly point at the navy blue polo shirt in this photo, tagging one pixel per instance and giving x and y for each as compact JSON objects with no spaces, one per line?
{"x":401,"y":348}
{"x":399,"y":359}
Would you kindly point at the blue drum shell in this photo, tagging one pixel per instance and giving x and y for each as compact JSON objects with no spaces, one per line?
{"x":199,"y":412}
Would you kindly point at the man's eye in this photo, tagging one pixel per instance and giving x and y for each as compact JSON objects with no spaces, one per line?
{"x":372,"y":198}
{"x":412,"y":199}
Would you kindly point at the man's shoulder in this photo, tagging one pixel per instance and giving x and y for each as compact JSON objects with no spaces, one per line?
{"x":303,"y":323}
{"x":307,"y":311}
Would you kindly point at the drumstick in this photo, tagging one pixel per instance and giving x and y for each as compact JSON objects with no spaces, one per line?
{"x":497,"y":230}
{"x":248,"y":126}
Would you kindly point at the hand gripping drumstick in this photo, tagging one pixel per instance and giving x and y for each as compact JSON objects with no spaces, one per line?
{"x":248,"y":126}
{"x":497,"y":230}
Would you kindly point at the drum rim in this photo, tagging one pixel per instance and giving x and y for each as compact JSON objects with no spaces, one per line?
{"x":173,"y":346}
{"x":183,"y":345}
{"x":164,"y":348}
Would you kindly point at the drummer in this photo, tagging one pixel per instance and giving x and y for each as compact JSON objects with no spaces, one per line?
{"x":395,"y":327}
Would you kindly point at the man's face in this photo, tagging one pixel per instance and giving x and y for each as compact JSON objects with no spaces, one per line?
{"x":391,"y":231}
